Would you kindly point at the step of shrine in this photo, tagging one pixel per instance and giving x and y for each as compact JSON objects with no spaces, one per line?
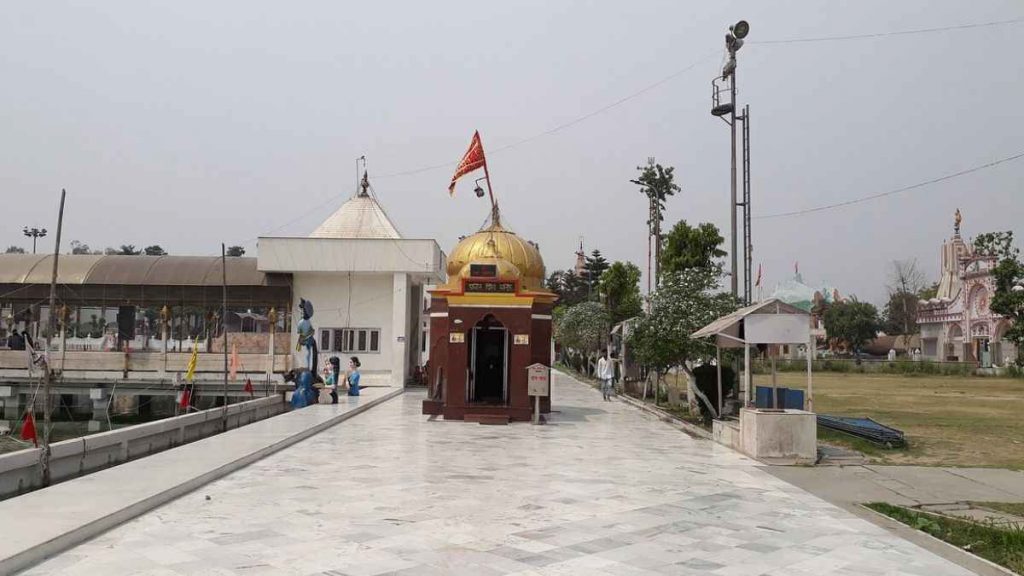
{"x":490,"y":419}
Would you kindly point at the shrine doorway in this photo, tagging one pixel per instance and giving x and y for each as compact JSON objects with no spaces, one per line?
{"x":488,"y":362}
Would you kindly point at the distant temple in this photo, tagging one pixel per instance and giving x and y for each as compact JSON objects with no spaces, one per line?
{"x":794,"y":291}
{"x":957,"y":324}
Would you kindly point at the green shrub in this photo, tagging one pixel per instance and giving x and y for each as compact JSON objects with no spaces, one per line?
{"x":1003,"y":545}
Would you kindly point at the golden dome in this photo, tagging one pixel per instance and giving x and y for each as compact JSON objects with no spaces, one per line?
{"x":507,"y":246}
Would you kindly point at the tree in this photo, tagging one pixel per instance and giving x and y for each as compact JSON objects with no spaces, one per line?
{"x":14,"y":250}
{"x":685,"y":302}
{"x":998,"y":244}
{"x":235,"y":251}
{"x":657,"y":184}
{"x":127,"y":250}
{"x":905,"y":284}
{"x":620,"y":285}
{"x":154,"y":250}
{"x":852,"y":322}
{"x":81,"y":248}
{"x":900,"y":314}
{"x":1009,"y":303}
{"x":688,"y":246}
{"x":583,"y":328}
{"x":570,"y":288}
{"x":595,"y":265}
{"x":929,"y":292}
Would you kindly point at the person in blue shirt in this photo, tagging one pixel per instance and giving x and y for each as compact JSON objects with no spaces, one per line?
{"x":353,"y":376}
{"x":333,"y":379}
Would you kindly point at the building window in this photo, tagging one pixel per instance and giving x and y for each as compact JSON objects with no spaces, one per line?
{"x":350,"y":340}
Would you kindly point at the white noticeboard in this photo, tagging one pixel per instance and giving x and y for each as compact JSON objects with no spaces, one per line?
{"x":777,"y":328}
{"x":538,"y":379}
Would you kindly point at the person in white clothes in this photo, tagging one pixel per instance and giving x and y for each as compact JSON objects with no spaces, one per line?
{"x":605,"y":372}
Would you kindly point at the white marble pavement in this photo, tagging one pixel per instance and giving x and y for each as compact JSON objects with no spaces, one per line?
{"x":604,"y":489}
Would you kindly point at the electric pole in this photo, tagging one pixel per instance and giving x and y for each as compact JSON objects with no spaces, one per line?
{"x":727,"y":111}
{"x":44,"y":462}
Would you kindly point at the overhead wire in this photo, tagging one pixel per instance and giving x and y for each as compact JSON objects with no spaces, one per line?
{"x":565,"y":125}
{"x":893,"y":192}
{"x":887,"y":34}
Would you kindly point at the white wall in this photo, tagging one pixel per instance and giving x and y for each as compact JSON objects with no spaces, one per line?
{"x":369,"y":304}
{"x":374,"y":255}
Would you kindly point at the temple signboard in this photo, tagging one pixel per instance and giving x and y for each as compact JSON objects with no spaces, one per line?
{"x":538,"y":380}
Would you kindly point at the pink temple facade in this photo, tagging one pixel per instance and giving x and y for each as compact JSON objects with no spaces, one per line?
{"x":957,"y":324}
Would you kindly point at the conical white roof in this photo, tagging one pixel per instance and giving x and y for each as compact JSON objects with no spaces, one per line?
{"x":360,"y":217}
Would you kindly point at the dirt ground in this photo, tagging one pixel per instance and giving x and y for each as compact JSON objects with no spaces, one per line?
{"x":948,"y":420}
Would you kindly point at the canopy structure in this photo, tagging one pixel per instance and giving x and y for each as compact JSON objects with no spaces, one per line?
{"x":770,"y":322}
{"x":113,"y":280}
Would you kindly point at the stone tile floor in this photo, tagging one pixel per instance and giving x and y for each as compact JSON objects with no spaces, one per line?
{"x":603,"y":489}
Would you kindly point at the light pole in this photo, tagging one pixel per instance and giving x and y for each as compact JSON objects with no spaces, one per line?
{"x":34,"y":233}
{"x":727,"y":112}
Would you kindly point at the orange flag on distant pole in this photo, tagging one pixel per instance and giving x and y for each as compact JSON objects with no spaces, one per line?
{"x":472,"y":160}
{"x":758,"y":282}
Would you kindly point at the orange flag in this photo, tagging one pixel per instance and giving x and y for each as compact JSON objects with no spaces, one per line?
{"x":236,"y":363}
{"x":473,"y":159}
{"x":28,"y":428}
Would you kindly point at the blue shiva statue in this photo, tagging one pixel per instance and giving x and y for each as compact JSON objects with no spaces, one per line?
{"x":307,"y":336}
{"x":305,"y":392}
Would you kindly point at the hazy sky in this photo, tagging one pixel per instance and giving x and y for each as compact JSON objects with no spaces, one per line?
{"x":186,"y":124}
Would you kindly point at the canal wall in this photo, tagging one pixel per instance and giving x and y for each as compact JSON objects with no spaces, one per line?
{"x":19,"y":471}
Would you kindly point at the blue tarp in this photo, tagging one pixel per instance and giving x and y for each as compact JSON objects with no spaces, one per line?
{"x":864,"y":428}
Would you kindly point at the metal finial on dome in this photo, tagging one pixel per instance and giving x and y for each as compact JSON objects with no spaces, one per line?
{"x":956,"y":222}
{"x":495,"y":215}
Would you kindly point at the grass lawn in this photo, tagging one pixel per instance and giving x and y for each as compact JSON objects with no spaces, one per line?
{"x":1002,"y":546}
{"x":948,"y":420}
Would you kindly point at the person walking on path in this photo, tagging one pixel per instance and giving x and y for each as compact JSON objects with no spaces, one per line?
{"x":605,"y":374}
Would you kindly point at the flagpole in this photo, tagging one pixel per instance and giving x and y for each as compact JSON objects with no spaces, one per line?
{"x":490,"y":191}
{"x":224,"y":326}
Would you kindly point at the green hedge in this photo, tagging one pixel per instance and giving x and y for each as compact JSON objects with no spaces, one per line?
{"x":908,"y":367}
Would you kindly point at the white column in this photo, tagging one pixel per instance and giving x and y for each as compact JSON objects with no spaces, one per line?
{"x":399,"y":329}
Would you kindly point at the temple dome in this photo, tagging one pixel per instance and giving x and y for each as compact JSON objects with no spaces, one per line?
{"x":359,"y":217}
{"x":507,"y":246}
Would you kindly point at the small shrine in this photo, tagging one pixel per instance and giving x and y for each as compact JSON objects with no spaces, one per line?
{"x":489,"y":322}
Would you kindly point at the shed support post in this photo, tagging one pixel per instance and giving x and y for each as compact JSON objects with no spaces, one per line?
{"x":748,"y":394}
{"x":810,"y":383}
{"x":718,"y":368}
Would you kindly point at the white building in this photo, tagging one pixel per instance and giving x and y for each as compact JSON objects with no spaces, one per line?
{"x":366,"y":283}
